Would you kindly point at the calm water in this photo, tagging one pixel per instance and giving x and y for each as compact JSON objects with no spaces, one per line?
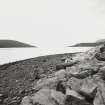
{"x":15,"y":54}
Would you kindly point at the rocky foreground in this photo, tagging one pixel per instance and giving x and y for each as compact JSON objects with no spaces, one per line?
{"x":77,"y":80}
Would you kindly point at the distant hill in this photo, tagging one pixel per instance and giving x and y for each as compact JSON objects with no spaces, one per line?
{"x":94,"y":44}
{"x":13,"y":44}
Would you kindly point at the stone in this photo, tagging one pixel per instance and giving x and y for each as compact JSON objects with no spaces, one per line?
{"x":85,"y":56}
{"x":74,"y":83}
{"x":52,"y":81}
{"x":44,"y":97}
{"x":63,"y":59}
{"x":68,"y":60}
{"x":48,"y":97}
{"x":1,"y":100}
{"x":82,"y":70}
{"x":61,"y":87}
{"x":102,"y":49}
{"x":64,"y":65}
{"x":88,"y":88}
{"x":74,"y":94}
{"x":70,"y":100}
{"x":58,"y":96}
{"x":100,"y":56}
{"x":101,"y":73}
{"x":61,"y":74}
{"x":98,"y":100}
{"x":101,"y":89}
{"x":26,"y":101}
{"x":46,"y":82}
{"x":74,"y":98}
{"x":1,"y":95}
{"x":78,"y":57}
{"x":85,"y":87}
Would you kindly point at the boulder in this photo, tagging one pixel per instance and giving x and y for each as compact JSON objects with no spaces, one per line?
{"x":88,"y":89}
{"x":78,"y":57}
{"x":100,"y":95}
{"x":84,"y":56}
{"x":101,"y":89}
{"x":52,"y":81}
{"x":74,"y":83}
{"x":98,"y":100}
{"x":100,"y":56}
{"x":61,"y":86}
{"x":85,"y":87}
{"x":44,"y":97}
{"x":73,"y":93}
{"x":101,"y":73}
{"x":46,"y":82}
{"x":58,"y":97}
{"x":63,"y":59}
{"x":1,"y":100}
{"x":26,"y":101}
{"x":70,"y":100}
{"x":82,"y":70}
{"x":74,"y":98}
{"x":64,"y":65}
{"x":61,"y":74}
{"x":102,"y":49}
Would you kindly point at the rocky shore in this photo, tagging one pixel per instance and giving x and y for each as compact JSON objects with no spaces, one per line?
{"x":67,"y":79}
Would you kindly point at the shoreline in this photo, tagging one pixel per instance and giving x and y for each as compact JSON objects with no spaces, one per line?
{"x":9,"y":55}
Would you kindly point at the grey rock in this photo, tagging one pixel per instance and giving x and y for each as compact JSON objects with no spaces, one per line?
{"x":44,"y":97}
{"x":61,"y":86}
{"x":88,"y":88}
{"x":26,"y":101}
{"x":74,"y":98}
{"x":78,"y":81}
{"x":100,"y":56}
{"x":52,"y":81}
{"x":98,"y":100}
{"x":74,"y":83}
{"x":85,"y":87}
{"x":46,"y":82}
{"x":101,"y":73}
{"x":73,"y":93}
{"x":58,"y":97}
{"x":61,"y":74}
{"x":82,"y":70}
{"x":64,"y":65}
{"x":101,"y":87}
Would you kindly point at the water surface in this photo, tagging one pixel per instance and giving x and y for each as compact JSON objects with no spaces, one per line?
{"x":8,"y":55}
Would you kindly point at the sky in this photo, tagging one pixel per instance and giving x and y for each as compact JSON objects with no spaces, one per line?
{"x":52,"y":23}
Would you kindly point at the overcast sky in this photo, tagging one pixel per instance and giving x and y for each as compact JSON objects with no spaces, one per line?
{"x":46,"y":23}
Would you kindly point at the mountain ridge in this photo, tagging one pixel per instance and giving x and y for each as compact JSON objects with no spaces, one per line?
{"x":13,"y":44}
{"x":91,"y":44}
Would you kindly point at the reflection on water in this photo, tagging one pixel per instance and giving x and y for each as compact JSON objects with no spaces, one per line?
{"x":15,"y":54}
